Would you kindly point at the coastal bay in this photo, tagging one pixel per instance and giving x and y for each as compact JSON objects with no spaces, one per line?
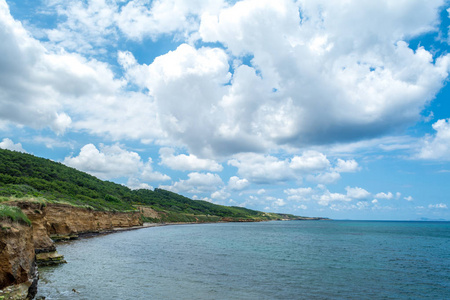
{"x":268,"y":260}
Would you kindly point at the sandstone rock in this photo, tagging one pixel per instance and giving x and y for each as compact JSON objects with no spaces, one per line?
{"x":49,"y":259}
{"x":18,"y":272}
{"x":21,"y":246}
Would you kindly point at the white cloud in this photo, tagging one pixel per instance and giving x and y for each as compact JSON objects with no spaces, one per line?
{"x":311,"y":165}
{"x":88,"y":25}
{"x":368,"y":78}
{"x":345,"y":166}
{"x":60,"y":90}
{"x":261,"y":191}
{"x":220,"y":195}
{"x":327,"y":197}
{"x":185,"y":162}
{"x":9,"y":144}
{"x":110,"y":162}
{"x":299,"y":194}
{"x":261,"y":92}
{"x":408,"y":198}
{"x":196,"y":183}
{"x":325,"y":178}
{"x":438,"y":206}
{"x":52,"y":143}
{"x":322,"y":60}
{"x":437,"y":147}
{"x":31,"y":79}
{"x":135,"y":184}
{"x":138,"y":19}
{"x":113,"y":162}
{"x":236,"y":184}
{"x":357,"y":193}
{"x":279,"y":202}
{"x":383,"y":195}
{"x":186,"y":85}
{"x":310,"y":162}
{"x":261,"y":169}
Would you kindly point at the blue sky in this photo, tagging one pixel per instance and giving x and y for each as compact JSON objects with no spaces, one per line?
{"x":317,"y":108}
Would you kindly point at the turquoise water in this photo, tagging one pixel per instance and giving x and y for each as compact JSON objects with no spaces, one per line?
{"x":270,"y":260}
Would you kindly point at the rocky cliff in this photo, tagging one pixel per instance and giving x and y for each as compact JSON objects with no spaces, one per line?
{"x":19,"y":243}
{"x":18,"y":272}
{"x":50,"y":220}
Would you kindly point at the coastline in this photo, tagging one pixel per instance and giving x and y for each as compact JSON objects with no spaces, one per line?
{"x":51,"y":223}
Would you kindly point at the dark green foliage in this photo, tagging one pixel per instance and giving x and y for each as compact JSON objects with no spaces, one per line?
{"x":24,"y":175}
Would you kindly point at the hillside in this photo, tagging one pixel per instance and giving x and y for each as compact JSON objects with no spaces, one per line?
{"x":27,"y":176}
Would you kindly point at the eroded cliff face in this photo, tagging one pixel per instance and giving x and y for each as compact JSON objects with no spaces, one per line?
{"x":18,"y":272}
{"x":60,"y":219}
{"x":19,"y":243}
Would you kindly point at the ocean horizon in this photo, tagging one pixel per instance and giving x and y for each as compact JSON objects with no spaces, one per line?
{"x":336,"y":259}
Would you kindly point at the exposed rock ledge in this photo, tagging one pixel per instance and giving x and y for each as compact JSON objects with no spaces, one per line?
{"x":20,"y":245}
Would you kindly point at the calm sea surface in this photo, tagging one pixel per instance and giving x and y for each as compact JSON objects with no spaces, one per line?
{"x":269,"y":260}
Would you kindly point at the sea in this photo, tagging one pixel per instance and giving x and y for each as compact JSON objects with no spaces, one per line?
{"x":266,"y":260}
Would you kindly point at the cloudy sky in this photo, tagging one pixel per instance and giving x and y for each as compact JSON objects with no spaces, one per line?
{"x":317,"y":108}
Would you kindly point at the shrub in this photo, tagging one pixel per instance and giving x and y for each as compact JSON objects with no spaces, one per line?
{"x":13,"y":213}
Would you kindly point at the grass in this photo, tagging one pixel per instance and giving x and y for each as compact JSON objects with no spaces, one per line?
{"x":13,"y":213}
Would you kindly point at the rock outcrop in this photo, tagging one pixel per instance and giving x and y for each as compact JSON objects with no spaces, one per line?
{"x":20,"y":245}
{"x":18,"y":272}
{"x":63,"y":219}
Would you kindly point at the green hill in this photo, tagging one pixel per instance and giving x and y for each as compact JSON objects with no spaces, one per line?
{"x":27,"y":176}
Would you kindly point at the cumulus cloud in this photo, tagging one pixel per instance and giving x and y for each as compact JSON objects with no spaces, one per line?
{"x":135,"y":184}
{"x":383,"y":195}
{"x":196,"y":183}
{"x":186,"y":84}
{"x":185,"y":162}
{"x":323,"y":60}
{"x":299,"y":194}
{"x":354,"y":198}
{"x":236,"y":184}
{"x":244,"y":81}
{"x":30,"y":77}
{"x":409,"y":198}
{"x":261,"y":169}
{"x":138,"y":19}
{"x":50,"y":88}
{"x":357,"y":193}
{"x":367,"y":76}
{"x":327,"y":197}
{"x":114,"y":162}
{"x":279,"y":202}
{"x":220,"y":195}
{"x":325,"y":178}
{"x":311,"y":165}
{"x":88,"y":25}
{"x":44,"y":87}
{"x":309,"y":162}
{"x":320,"y":60}
{"x":345,"y":166}
{"x":324,"y":197}
{"x":9,"y":144}
{"x":437,"y":147}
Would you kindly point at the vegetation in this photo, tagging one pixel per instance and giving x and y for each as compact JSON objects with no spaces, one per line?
{"x":24,"y":175}
{"x":13,"y":213}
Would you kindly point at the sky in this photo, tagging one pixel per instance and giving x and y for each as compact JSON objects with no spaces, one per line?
{"x":335,"y":109}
